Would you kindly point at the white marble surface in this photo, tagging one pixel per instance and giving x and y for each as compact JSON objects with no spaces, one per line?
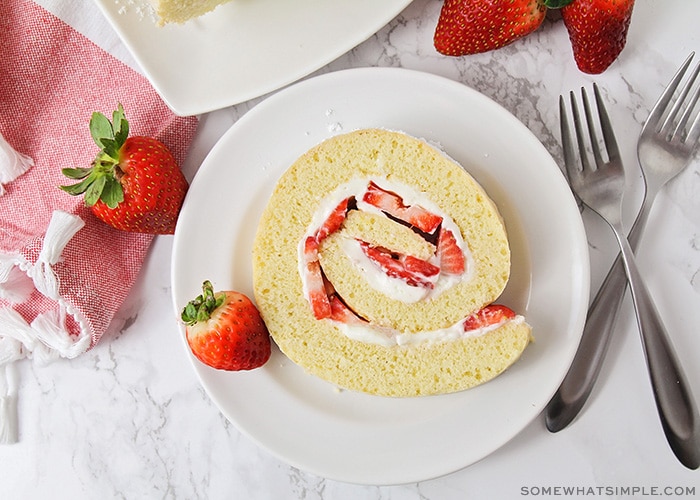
{"x":129,"y":419}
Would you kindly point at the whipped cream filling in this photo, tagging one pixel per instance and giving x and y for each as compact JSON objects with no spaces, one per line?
{"x":394,"y":288}
{"x":388,"y":337}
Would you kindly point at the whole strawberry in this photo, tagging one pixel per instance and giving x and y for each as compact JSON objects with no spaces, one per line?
{"x":225,"y":331}
{"x":474,"y":26}
{"x":134,"y":183}
{"x":598,"y":31}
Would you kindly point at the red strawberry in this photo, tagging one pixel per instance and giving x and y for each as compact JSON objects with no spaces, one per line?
{"x":489,"y":315}
{"x":225,"y":330}
{"x":134,"y":183}
{"x":414,"y":271}
{"x":450,"y":255}
{"x":393,"y":204}
{"x":334,"y":220}
{"x":315,"y":283}
{"x":343,"y":314}
{"x":474,"y":26}
{"x":598,"y":31}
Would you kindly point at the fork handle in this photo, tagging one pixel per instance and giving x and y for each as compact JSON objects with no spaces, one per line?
{"x":585,"y":367}
{"x":674,"y":401}
{"x":597,"y":332}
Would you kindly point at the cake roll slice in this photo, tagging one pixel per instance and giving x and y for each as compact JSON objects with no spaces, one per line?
{"x":376,"y":264}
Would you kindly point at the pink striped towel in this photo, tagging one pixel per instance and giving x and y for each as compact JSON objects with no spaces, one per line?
{"x":63,"y":273}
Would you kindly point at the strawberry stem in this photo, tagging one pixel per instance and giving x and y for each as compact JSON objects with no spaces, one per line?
{"x":102,"y":180}
{"x":556,"y":4}
{"x":203,"y":306}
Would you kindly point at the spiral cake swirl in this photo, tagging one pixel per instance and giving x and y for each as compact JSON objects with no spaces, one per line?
{"x":376,"y":263}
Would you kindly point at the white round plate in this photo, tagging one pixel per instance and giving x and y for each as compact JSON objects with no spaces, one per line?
{"x":242,"y":49}
{"x":355,"y":437}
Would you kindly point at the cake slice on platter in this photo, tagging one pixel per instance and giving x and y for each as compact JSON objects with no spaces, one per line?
{"x":180,"y":11}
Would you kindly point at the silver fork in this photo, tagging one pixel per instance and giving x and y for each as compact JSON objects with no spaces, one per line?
{"x":601,"y":188}
{"x":662,"y":156}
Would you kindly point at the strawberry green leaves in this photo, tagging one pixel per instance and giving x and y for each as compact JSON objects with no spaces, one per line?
{"x":557,"y":4}
{"x":97,"y":183}
{"x":101,"y":181}
{"x":110,"y":136}
{"x":202,"y":307}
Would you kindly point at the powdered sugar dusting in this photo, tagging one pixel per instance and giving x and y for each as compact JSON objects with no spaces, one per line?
{"x":141,"y":9}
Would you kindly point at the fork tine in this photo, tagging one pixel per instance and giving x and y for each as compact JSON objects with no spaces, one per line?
{"x":694,"y":132}
{"x":573,"y":173}
{"x":585,"y":163}
{"x":683,"y":121}
{"x":606,"y":127}
{"x":654,"y":119}
{"x":565,"y":131}
{"x":567,"y":144}
{"x":592,"y":135}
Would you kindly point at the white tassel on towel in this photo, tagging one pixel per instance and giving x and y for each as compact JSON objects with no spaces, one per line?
{"x":12,"y":163}
{"x":47,"y":338}
{"x":11,"y":350}
{"x":15,"y":285}
{"x":8,"y":404}
{"x":62,"y":228}
{"x":50,"y":330}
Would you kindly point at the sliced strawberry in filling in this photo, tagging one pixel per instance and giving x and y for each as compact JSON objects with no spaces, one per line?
{"x":310,"y":249}
{"x":342,"y":313}
{"x":393,"y":204}
{"x":335,"y":219}
{"x":317,"y":287}
{"x":449,"y":254}
{"x":489,"y":315}
{"x":315,"y":282}
{"x":414,"y":271}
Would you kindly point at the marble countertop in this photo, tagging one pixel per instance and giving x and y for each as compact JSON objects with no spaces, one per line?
{"x":129,"y":419}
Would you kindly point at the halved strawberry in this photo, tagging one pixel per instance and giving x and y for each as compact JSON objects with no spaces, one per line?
{"x":449,"y":254}
{"x":490,"y":315}
{"x":393,"y":204}
{"x":334,"y":220}
{"x":315,"y":282}
{"x":225,"y":331}
{"x":414,"y":271}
